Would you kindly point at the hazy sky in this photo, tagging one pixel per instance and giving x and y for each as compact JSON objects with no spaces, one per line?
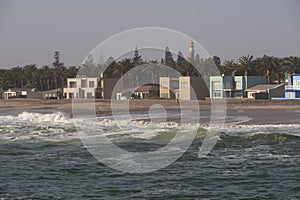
{"x":30,"y":31}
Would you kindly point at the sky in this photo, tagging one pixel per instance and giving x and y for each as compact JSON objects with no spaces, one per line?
{"x":31,"y":30}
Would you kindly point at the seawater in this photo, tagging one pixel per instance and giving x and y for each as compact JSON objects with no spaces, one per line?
{"x":42,"y":157}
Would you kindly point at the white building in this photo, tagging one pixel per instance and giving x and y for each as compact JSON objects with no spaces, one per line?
{"x":81,"y":87}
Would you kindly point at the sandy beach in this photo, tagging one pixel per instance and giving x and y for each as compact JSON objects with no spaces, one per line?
{"x":105,"y":105}
{"x":258,"y":112}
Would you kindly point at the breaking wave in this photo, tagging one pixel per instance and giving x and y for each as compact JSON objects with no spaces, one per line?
{"x":60,"y":127}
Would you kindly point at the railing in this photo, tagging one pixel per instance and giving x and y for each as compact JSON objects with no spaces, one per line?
{"x":292,"y":87}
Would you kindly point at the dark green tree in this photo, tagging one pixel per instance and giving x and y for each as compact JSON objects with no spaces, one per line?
{"x":59,"y":72}
{"x":169,"y":61}
{"x":137,"y":59}
{"x":217,"y":61}
{"x":246,"y":63}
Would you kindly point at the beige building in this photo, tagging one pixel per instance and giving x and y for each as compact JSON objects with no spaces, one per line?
{"x":168,"y":87}
{"x":183,"y":88}
{"x":81,"y":87}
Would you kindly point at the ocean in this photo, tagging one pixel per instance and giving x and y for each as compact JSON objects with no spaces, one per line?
{"x":43,"y":157}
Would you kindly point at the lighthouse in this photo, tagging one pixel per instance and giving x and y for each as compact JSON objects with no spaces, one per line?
{"x":191,"y":51}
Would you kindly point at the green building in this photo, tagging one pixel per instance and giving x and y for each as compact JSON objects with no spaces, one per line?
{"x":233,"y":86}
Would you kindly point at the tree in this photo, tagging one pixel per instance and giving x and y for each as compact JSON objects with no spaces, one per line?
{"x":230,"y":66}
{"x":57,"y":62}
{"x":277,"y":66}
{"x":267,"y":63}
{"x":180,"y":63}
{"x":137,"y":59}
{"x":169,"y":58}
{"x":180,"y":59}
{"x":217,"y":61}
{"x":89,"y":68}
{"x":246,"y":63}
{"x":295,"y":64}
{"x":72,"y":71}
{"x":18,"y":77}
{"x":31,"y":76}
{"x":59,"y":70}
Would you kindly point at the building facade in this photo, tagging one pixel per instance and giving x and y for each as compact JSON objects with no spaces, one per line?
{"x":183,"y":88}
{"x":142,"y":92}
{"x":267,"y":91}
{"x":168,"y":87}
{"x":233,"y":86}
{"x":53,"y":94}
{"x":107,"y":86}
{"x":81,"y":87}
{"x":292,"y":89}
{"x":22,"y":93}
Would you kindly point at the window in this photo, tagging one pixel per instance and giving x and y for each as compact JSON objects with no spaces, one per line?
{"x":83,"y":83}
{"x":238,"y":95}
{"x":183,"y":85}
{"x":217,"y":94}
{"x":227,"y":85}
{"x":164,"y":84}
{"x":89,"y":95}
{"x":238,"y":85}
{"x":164,"y":95}
{"x":72,"y":84}
{"x":216,"y":85}
{"x":71,"y":95}
{"x":91,"y":84}
{"x":290,"y":95}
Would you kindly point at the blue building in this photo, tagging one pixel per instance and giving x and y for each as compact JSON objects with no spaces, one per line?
{"x":292,"y":89}
{"x":233,"y":86}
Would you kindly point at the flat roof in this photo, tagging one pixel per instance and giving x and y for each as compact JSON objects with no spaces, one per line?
{"x":263,"y":87}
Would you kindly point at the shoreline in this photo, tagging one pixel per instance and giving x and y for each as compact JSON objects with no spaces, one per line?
{"x":258,"y":112}
{"x":104,"y":105}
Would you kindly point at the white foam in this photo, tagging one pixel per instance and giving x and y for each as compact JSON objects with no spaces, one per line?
{"x":57,"y":117}
{"x":55,"y":125}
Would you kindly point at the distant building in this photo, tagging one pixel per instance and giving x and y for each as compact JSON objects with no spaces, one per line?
{"x":266,"y":91}
{"x":12,"y":93}
{"x":53,"y":94}
{"x":107,"y":86}
{"x":191,"y":54}
{"x":233,"y":86}
{"x":292,"y":89}
{"x":81,"y":87}
{"x":142,"y":92}
{"x":183,"y":88}
{"x":168,"y":86}
{"x":22,"y":93}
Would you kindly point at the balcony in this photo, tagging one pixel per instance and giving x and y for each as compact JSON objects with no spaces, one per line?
{"x":294,"y":87}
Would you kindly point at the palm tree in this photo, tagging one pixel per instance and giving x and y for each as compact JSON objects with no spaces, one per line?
{"x":232,"y":66}
{"x":295,"y":64}
{"x":246,"y":63}
{"x":278,"y":66}
{"x":268,"y":65}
